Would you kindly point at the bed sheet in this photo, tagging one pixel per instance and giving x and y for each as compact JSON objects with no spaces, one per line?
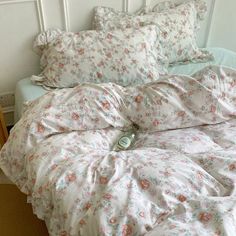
{"x":222,"y":57}
{"x":26,"y":91}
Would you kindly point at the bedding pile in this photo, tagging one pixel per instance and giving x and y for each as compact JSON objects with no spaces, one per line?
{"x":177,"y":179}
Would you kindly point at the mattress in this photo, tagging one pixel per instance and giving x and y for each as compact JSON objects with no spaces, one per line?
{"x":26,"y":91}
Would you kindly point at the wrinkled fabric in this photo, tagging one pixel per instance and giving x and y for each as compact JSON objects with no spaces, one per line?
{"x":177,"y":179}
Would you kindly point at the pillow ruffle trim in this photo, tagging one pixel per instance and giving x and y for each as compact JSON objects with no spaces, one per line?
{"x":45,"y":38}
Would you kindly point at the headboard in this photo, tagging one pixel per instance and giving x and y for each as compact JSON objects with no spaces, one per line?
{"x":22,"y":20}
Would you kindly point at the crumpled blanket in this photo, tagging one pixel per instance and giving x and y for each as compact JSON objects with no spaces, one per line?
{"x":177,"y":179}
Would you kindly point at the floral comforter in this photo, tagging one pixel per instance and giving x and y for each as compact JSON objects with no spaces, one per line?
{"x":177,"y":179}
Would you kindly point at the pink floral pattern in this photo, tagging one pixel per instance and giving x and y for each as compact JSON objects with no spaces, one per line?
{"x":128,"y":57}
{"x":200,"y":6}
{"x":174,"y":182}
{"x":178,"y":26}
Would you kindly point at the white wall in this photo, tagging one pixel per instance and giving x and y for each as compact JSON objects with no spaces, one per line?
{"x":223,"y":30}
{"x":18,"y":26}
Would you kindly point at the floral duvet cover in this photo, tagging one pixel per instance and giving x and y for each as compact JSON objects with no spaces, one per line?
{"x":177,"y":179}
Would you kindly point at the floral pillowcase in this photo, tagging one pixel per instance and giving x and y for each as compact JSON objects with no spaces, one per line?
{"x":178,"y":25}
{"x":126,"y":57}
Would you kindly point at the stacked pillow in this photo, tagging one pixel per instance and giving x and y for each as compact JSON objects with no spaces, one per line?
{"x":127,"y":49}
{"x":178,"y":25}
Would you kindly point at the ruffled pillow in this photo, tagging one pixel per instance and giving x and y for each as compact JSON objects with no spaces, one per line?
{"x":200,"y":5}
{"x":178,"y":25}
{"x":126,"y":57}
{"x":42,"y":42}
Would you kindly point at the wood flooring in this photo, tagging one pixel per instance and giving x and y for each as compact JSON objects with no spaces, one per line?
{"x":16,"y":216}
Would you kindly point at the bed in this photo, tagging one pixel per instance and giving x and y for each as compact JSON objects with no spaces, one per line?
{"x":169,"y":102}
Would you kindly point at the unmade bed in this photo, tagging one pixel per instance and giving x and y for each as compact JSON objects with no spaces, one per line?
{"x":142,"y":72}
{"x":177,"y":179}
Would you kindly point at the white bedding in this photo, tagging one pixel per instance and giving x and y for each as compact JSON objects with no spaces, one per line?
{"x":26,"y":91}
{"x":177,"y":179}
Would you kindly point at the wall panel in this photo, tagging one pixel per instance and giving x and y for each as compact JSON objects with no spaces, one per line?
{"x":53,"y":11}
{"x":223,"y":30}
{"x":18,"y":26}
{"x":81,"y":12}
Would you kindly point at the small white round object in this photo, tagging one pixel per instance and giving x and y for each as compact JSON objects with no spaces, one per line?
{"x":124,"y":142}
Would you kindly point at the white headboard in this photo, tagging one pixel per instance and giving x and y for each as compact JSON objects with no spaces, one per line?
{"x":22,"y":20}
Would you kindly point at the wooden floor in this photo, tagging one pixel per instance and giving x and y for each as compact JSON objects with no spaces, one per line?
{"x":16,"y":217}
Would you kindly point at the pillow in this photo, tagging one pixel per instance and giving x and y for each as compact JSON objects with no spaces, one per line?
{"x":200,"y":6}
{"x":178,"y":26}
{"x":126,"y":57}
